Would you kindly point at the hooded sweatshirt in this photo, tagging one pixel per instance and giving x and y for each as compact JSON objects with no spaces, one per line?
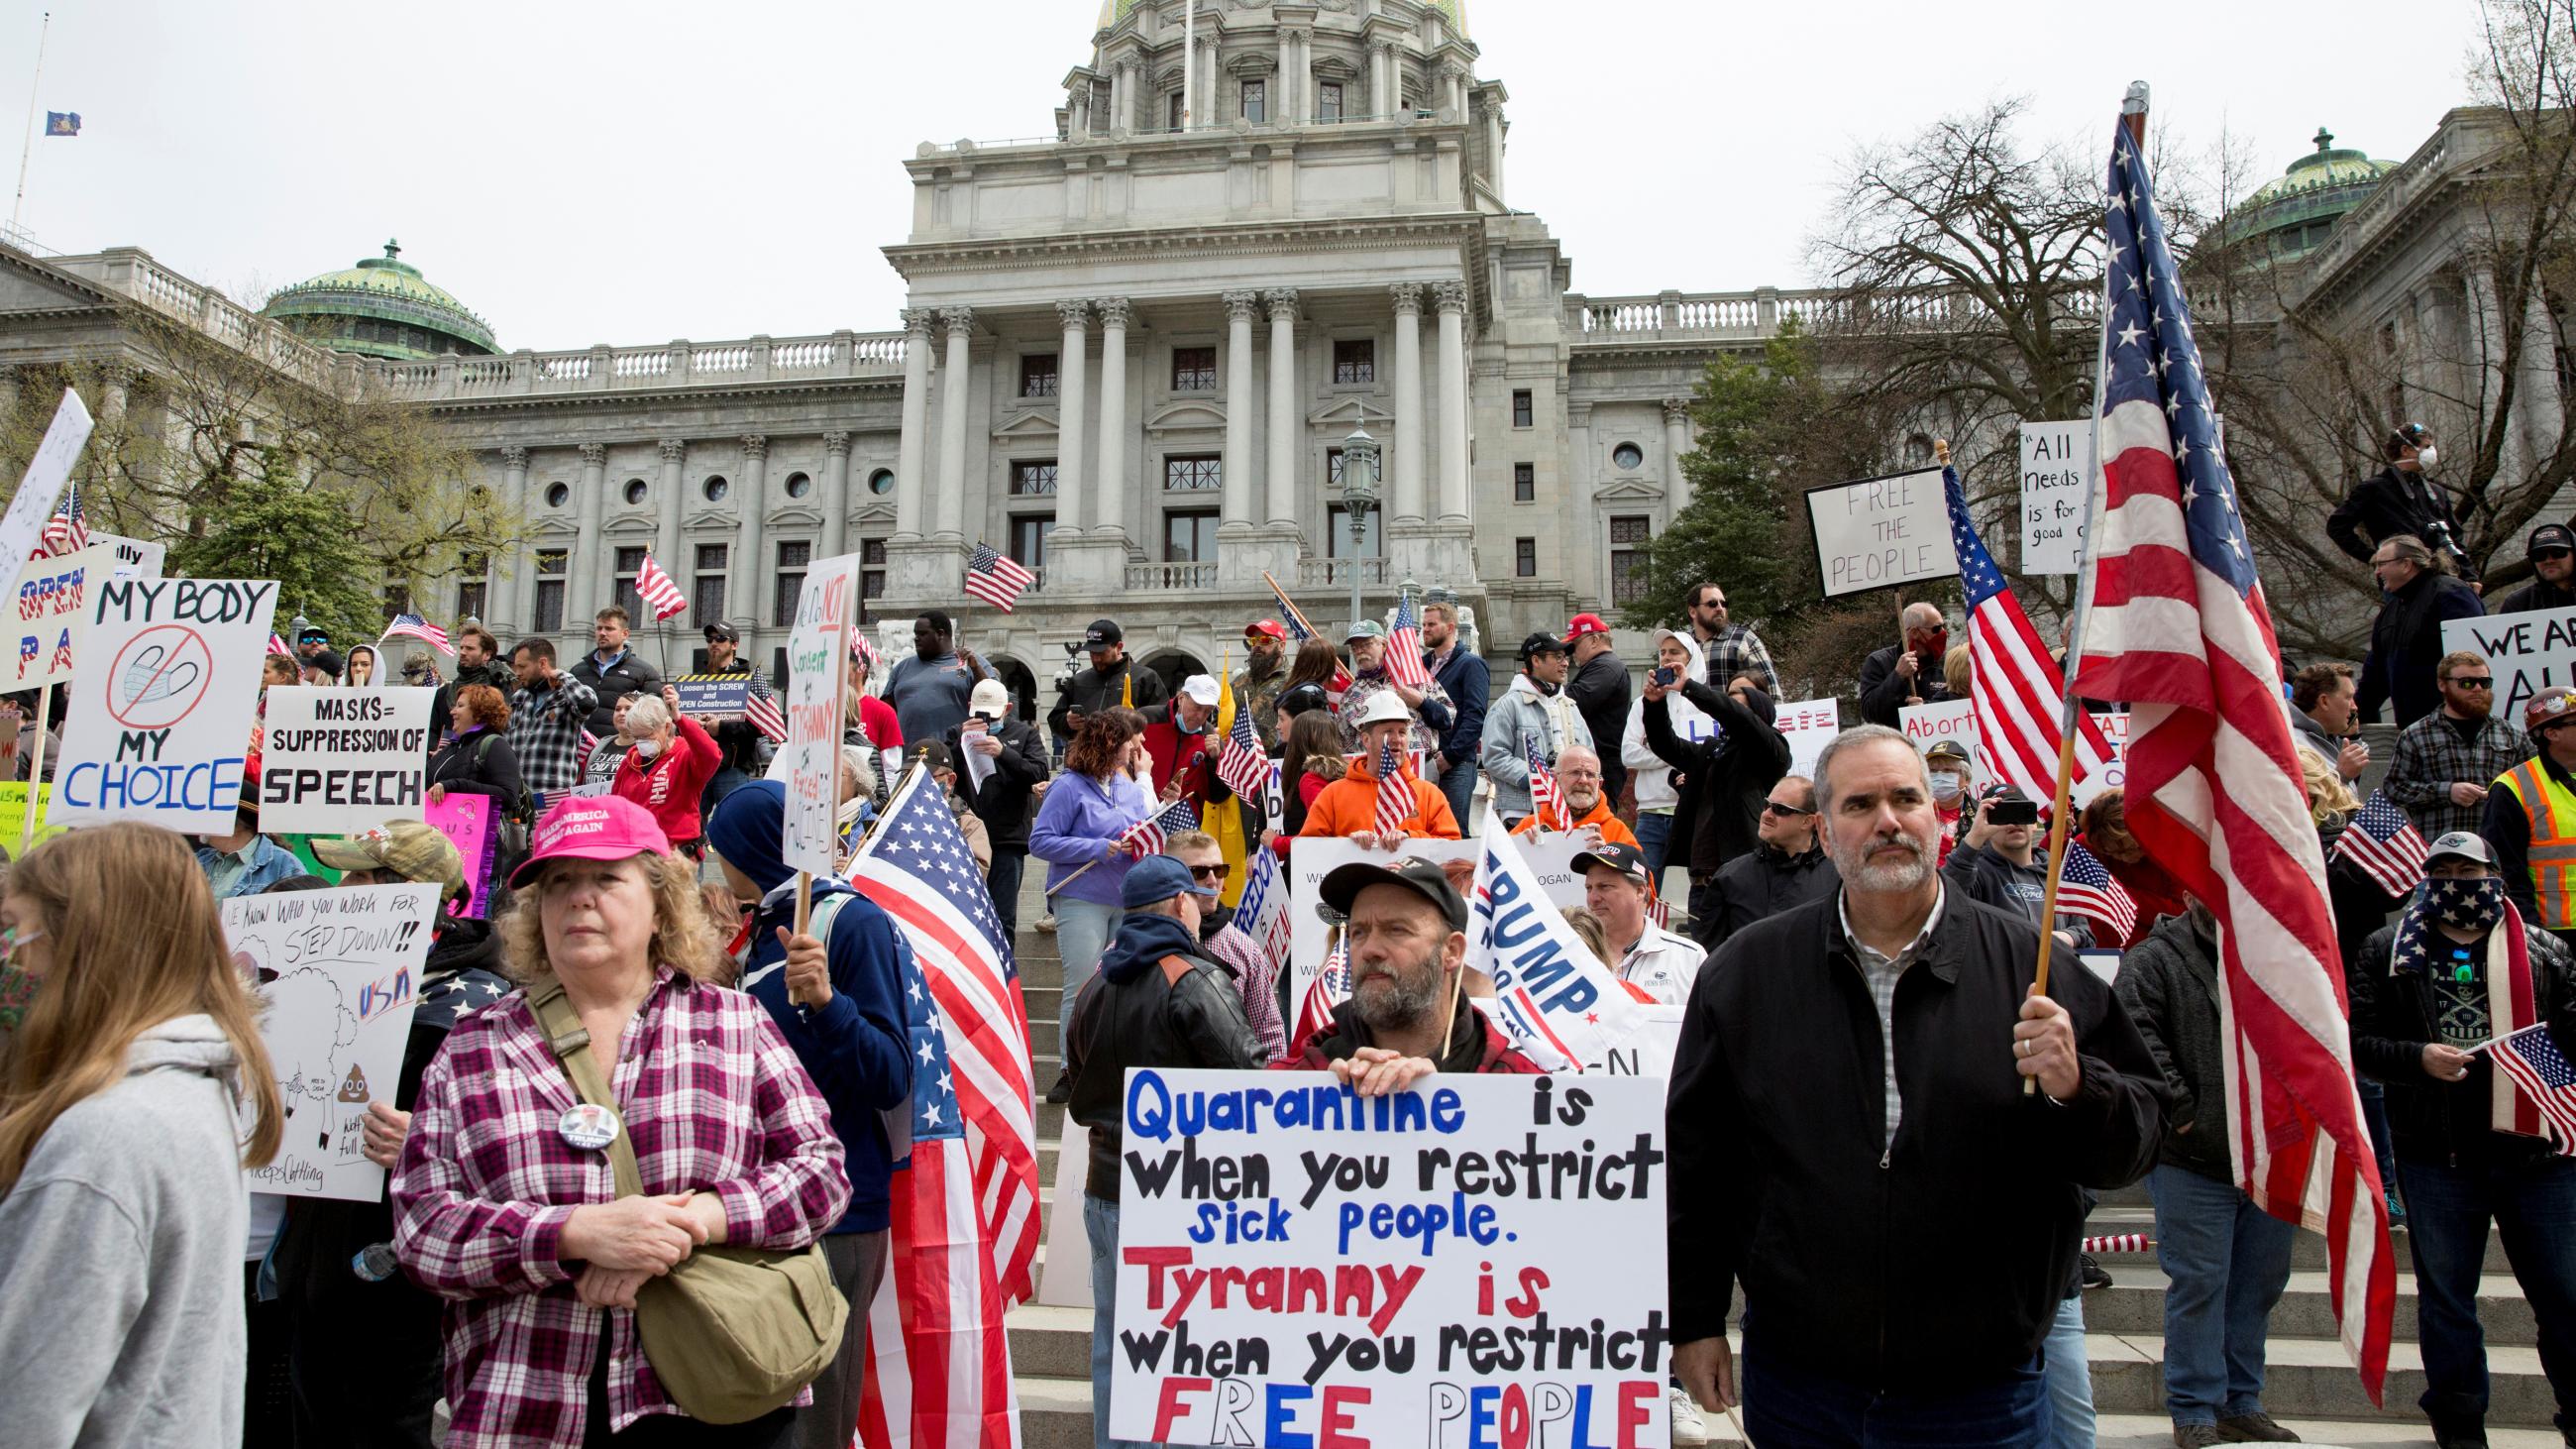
{"x":120,"y":1256}
{"x":854,"y":1046}
{"x":1527,"y":712}
{"x":1646,"y":769}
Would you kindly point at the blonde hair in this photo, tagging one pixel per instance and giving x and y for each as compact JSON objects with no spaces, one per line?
{"x":135,"y":941}
{"x":2327,"y":797}
{"x":1957,"y":672}
{"x":683,"y":938}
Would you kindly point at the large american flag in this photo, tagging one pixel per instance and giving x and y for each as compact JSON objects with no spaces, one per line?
{"x":996,"y":580}
{"x":67,"y":531}
{"x":1147,"y":837}
{"x":2085,"y":888}
{"x":1404,"y":647}
{"x":2385,"y":844}
{"x":413,"y":626}
{"x":657,"y":590}
{"x":916,"y":865}
{"x":2531,"y":1058}
{"x":2018,"y":697}
{"x":2180,"y":630}
{"x":1239,"y":760}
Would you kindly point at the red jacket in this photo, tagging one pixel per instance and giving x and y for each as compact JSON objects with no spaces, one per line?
{"x":1175,"y":753}
{"x":877,"y":721}
{"x":669,"y":786}
{"x":1487,"y":1051}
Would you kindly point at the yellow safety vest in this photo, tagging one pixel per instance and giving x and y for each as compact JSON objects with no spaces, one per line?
{"x":2550,"y":807}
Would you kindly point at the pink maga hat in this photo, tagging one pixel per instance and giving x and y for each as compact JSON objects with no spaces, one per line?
{"x":591,"y":827}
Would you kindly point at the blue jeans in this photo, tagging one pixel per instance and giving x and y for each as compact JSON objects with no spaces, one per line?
{"x":1654,"y":832}
{"x":2227,"y":1261}
{"x":1458,"y":783}
{"x":1790,"y":1408}
{"x":2533,"y":1204}
{"x":2070,"y":1377}
{"x":1100,"y":1223}
{"x":1082,"y":932}
{"x":1010,"y":863}
{"x":2374,"y":1113}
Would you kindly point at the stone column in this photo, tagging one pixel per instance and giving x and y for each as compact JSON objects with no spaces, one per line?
{"x":1242,"y":472}
{"x":1676,"y":443}
{"x":1409,"y":499}
{"x":673,"y":491}
{"x":953,"y":388}
{"x":1286,"y":423}
{"x":587,"y":597}
{"x":1377,"y":68}
{"x":748,"y":566}
{"x":836,"y":495}
{"x":510,"y":572}
{"x":1122,"y":98}
{"x":1070,"y":431}
{"x":1452,"y":297}
{"x":916,"y":422}
{"x":1112,"y":485}
{"x":1294,"y":47}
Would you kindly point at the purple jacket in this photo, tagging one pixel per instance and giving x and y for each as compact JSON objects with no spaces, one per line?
{"x":1075,"y":824}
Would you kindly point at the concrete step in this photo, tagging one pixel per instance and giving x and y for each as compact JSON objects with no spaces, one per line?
{"x":2308,"y":1254}
{"x":2135,"y":1303}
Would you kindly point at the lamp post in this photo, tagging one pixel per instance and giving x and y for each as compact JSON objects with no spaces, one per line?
{"x":1359,"y":495}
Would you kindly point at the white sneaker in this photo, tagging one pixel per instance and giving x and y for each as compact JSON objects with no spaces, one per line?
{"x":1688,"y":1428}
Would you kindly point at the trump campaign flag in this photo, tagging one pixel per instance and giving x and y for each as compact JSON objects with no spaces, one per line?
{"x":1560,"y":1005}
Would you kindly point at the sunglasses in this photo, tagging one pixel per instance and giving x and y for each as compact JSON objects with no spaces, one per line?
{"x":2475,"y":681}
{"x":2550,"y":553}
{"x":1216,"y":872}
{"x":1774,"y":807}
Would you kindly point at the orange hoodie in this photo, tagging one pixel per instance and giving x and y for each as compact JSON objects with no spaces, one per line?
{"x":1614,"y":831}
{"x":1349,"y":804}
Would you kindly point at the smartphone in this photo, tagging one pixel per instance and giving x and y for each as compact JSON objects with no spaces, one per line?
{"x":1664,"y":676}
{"x":2013,"y":812}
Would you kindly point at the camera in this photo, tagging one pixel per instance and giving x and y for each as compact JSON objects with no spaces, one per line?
{"x":2013,"y":812}
{"x":1665,"y":675}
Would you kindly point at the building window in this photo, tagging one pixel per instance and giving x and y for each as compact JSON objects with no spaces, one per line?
{"x":1355,"y":360}
{"x":1029,"y":539}
{"x":558,"y":494}
{"x":469,"y":599}
{"x":1193,"y":369}
{"x":1524,"y":482}
{"x":630,"y":561}
{"x":872,"y":574}
{"x":1189,"y":537}
{"x":1628,"y":564}
{"x":1333,"y":467}
{"x":881,"y":481}
{"x":1525,"y":558}
{"x":1627,"y":457}
{"x":1172,"y":112}
{"x":1199,"y":473}
{"x":707,"y":604}
{"x":1033,"y":479}
{"x":1038,"y":375}
{"x":397,"y":600}
{"x":1256,"y":101}
{"x":799,"y":484}
{"x":793,"y":556}
{"x":1337,"y":532}
{"x":550,"y":591}
{"x":715,"y":488}
{"x":635,"y":490}
{"x":1328,"y":101}
{"x":1523,"y":414}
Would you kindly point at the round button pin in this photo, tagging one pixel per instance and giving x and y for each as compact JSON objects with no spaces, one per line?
{"x":589,"y":1126}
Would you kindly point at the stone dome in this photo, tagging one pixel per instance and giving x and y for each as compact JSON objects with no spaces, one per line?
{"x":382,"y":307}
{"x":1113,"y":11}
{"x":2296,"y":209}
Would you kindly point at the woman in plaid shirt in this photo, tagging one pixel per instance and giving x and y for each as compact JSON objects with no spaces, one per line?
{"x":522,"y":1231}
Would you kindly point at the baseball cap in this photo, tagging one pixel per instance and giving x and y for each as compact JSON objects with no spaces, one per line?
{"x":933,"y":754}
{"x":1201,"y":690}
{"x":1271,"y":627}
{"x":1539,"y":643}
{"x":412,"y":849}
{"x":1365,"y":629}
{"x":2465,"y":844}
{"x":722,"y":631}
{"x":1102,"y":634}
{"x":312,"y":634}
{"x":1583,"y":624}
{"x":1628,"y":860}
{"x":591,"y":827}
{"x":1382,"y":706}
{"x":2551,"y":706}
{"x":990,"y":698}
{"x":1947,"y":750}
{"x":2549,"y":536}
{"x":1422,"y":877}
{"x":2000,"y":790}
{"x":1158,"y":878}
{"x":1303,"y":698}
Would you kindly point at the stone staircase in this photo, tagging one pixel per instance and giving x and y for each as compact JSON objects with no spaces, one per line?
{"x":2310,"y":1386}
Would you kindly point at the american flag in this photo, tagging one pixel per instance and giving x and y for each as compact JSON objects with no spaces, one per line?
{"x":1547,"y":801}
{"x":2535,"y":1064}
{"x":413,"y":626}
{"x":277,"y":645}
{"x":2085,"y":888}
{"x":1330,"y":988}
{"x":760,"y":707}
{"x":1404,"y":647}
{"x":2179,"y":628}
{"x":1299,"y":631}
{"x":2385,"y":844}
{"x":67,"y":531}
{"x":996,"y":580}
{"x":866,"y":652}
{"x":1147,"y":837}
{"x":2018,"y":696}
{"x":1239,"y":760}
{"x":1395,"y":802}
{"x":657,"y":591}
{"x":949,"y":1361}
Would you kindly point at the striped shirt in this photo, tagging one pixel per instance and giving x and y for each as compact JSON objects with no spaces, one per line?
{"x":1882,"y":973}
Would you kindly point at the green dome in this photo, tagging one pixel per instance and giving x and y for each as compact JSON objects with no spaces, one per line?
{"x":2295,"y":210}
{"x":382,"y":307}
{"x":1113,"y":11}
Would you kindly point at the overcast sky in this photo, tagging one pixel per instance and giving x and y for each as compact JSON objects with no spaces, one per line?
{"x":638,"y":171}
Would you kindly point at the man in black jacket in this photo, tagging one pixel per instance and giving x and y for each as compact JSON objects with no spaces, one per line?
{"x":613,"y":669}
{"x":2551,"y":551}
{"x":2429,"y":995}
{"x":2399,"y":499}
{"x":1908,"y":673}
{"x":1788,"y":868}
{"x":745,"y":751}
{"x":1113,"y":681}
{"x":1161,"y":1003}
{"x":1599,"y":688}
{"x":1717,"y":812}
{"x":1002,"y":769}
{"x":1851,"y":1141}
{"x":2406,"y":638}
{"x":478,"y":661}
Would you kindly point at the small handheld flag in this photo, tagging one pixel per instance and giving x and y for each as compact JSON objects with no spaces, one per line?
{"x":1404,"y":647}
{"x":1147,"y":837}
{"x":659,"y":593}
{"x":1547,"y":800}
{"x":2086,"y":888}
{"x":1395,"y":803}
{"x":2384,"y":844}
{"x":996,"y":580}
{"x":413,"y":626}
{"x":2535,"y":1064}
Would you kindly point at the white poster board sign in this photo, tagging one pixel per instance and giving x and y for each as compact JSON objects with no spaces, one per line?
{"x":1955,"y":719}
{"x":1876,"y":533}
{"x":2052,"y":495}
{"x":133,"y":558}
{"x":2529,"y":652}
{"x":2114,"y":775}
{"x":339,"y":973}
{"x":1809,"y":726}
{"x":1310,"y":860}
{"x":53,"y":594}
{"x":818,"y":664}
{"x":1929,"y":724}
{"x":1357,"y":1300}
{"x":337,"y":761}
{"x":41,"y":486}
{"x":161,"y":715}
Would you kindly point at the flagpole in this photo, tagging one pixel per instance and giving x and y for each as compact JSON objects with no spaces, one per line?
{"x":27,"y":147}
{"x":1290,"y":605}
{"x":36,"y":767}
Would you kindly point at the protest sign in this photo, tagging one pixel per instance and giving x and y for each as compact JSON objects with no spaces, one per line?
{"x":1310,"y":921}
{"x":2529,"y":652}
{"x":1929,"y":724}
{"x":1874,"y":533}
{"x":818,"y":659}
{"x":1809,"y":726}
{"x":2053,"y":458}
{"x":1302,"y":1265}
{"x":130,"y":558}
{"x":338,"y":761}
{"x":53,"y":594}
{"x":41,"y":486}
{"x":1558,"y":1003}
{"x":165,"y":702}
{"x":2114,"y":775}
{"x":466,"y":820}
{"x":1925,"y":724}
{"x":339,"y":972}
{"x":13,"y":813}
{"x":712,"y":696}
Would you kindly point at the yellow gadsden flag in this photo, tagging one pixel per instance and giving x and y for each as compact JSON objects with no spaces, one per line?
{"x":1223,"y":818}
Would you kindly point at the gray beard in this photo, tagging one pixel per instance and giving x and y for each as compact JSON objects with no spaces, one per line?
{"x":1404,"y":1002}
{"x":1905,"y":876}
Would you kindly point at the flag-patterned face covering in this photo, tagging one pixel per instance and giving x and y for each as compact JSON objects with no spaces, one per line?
{"x":2466,"y":905}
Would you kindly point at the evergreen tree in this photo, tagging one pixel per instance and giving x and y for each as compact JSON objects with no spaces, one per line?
{"x":274,"y":525}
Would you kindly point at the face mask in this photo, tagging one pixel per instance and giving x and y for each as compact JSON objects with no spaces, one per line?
{"x":1946,"y":787}
{"x":647,"y":749}
{"x":2427,"y":456}
{"x":2469,"y":905}
{"x":18,"y":986}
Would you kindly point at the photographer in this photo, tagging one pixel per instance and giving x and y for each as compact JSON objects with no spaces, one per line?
{"x":2001,"y":863}
{"x":2399,"y":499}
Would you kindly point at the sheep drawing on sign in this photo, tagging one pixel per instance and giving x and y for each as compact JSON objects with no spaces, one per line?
{"x":310,"y":1072}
